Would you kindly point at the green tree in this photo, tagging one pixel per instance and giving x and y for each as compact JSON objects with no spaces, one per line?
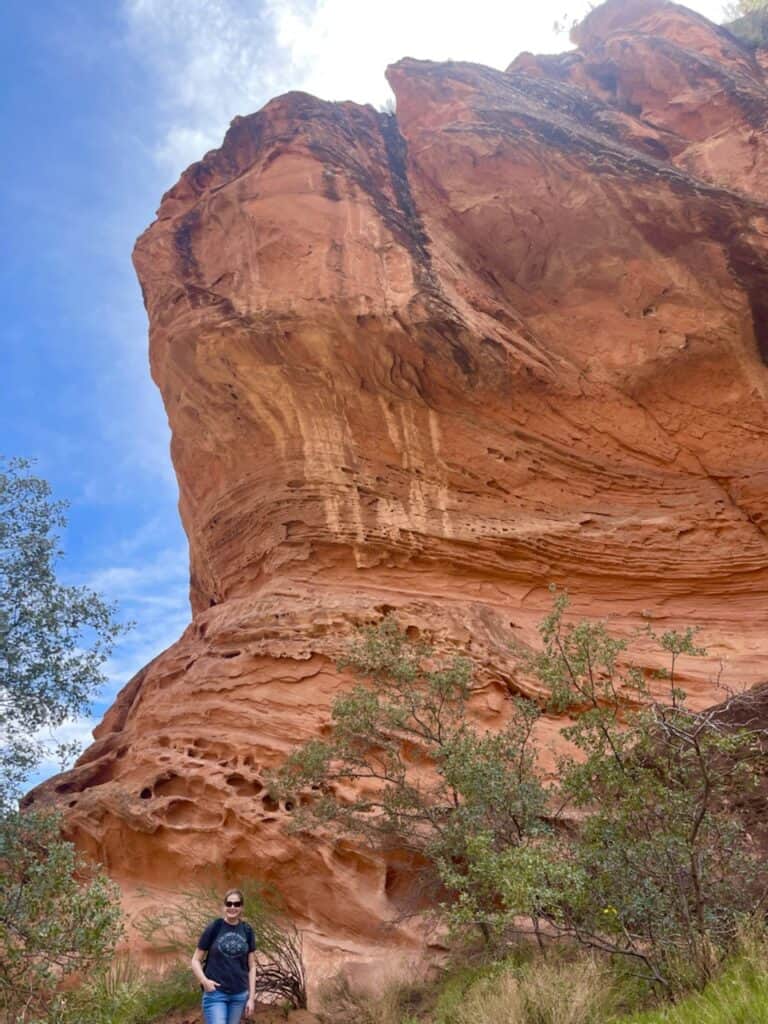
{"x":663,"y":867}
{"x":739,"y":8}
{"x":425,"y":780}
{"x":54,"y":638}
{"x":58,"y":915}
{"x":640,"y":849}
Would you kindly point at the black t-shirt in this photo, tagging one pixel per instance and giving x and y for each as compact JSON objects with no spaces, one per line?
{"x":228,"y":952}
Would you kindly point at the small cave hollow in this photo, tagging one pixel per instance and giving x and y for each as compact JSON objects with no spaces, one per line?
{"x":171,"y":784}
{"x":243,"y":786}
{"x":188,"y":813}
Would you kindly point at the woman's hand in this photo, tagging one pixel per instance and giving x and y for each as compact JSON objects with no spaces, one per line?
{"x":210,"y":985}
{"x":249,"y":1007}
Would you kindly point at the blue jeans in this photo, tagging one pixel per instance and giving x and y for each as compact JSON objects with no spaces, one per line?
{"x":223,"y":1008}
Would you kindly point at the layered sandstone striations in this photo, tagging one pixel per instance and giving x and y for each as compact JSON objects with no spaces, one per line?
{"x":515,"y":335}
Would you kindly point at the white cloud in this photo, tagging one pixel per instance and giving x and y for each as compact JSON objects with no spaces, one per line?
{"x":340,"y":48}
{"x":151,"y":587}
{"x":179,"y":143}
{"x":218,"y":58}
{"x":213,"y":59}
{"x":138,"y":582}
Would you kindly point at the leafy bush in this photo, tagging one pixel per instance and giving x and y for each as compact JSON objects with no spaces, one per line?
{"x":59,"y":916}
{"x":54,"y":639}
{"x":125,"y":993}
{"x":661,"y":867}
{"x":426,"y":781}
{"x":664,"y":867}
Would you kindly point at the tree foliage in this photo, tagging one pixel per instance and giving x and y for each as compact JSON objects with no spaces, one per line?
{"x":738,"y":8}
{"x":424,"y":779}
{"x":54,"y":638}
{"x":664,"y":866}
{"x":748,"y":21}
{"x":59,"y":916}
{"x":638,"y":849}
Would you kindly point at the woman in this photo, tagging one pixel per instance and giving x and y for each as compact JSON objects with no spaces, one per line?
{"x":225,"y":965}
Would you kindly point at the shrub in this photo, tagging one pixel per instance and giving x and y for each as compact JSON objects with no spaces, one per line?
{"x":59,"y":916}
{"x":280,"y":973}
{"x":425,"y":780}
{"x":655,"y":864}
{"x":663,"y":867}
{"x":340,"y":1004}
{"x":125,"y":993}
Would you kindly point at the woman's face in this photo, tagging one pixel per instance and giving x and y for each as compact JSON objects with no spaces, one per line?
{"x":233,"y":907}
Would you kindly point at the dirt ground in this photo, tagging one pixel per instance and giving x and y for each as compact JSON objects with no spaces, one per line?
{"x":263,"y":1015}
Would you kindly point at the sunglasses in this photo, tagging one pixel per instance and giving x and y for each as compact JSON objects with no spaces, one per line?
{"x":233,"y":903}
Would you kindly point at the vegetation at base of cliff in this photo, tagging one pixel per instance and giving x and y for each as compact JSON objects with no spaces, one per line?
{"x":661,"y":867}
{"x":126,"y":993}
{"x":59,"y":916}
{"x":738,"y":995}
{"x":525,"y":989}
{"x":563,"y":987}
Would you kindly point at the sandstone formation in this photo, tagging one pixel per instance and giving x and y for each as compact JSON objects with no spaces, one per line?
{"x":515,"y":335}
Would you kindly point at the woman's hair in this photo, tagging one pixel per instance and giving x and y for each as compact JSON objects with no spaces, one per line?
{"x":234,"y":892}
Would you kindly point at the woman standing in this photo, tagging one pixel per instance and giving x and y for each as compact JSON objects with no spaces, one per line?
{"x":225,"y":965}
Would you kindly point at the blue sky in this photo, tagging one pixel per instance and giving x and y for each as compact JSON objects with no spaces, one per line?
{"x":103,"y":103}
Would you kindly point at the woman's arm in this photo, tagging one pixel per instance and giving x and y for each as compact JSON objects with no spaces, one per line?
{"x":251,"y":1004}
{"x":196,"y":963}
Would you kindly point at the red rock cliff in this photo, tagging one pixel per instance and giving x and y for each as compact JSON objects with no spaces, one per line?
{"x":515,"y":335}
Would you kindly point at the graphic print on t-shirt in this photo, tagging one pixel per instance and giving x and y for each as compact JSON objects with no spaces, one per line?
{"x":232,"y":944}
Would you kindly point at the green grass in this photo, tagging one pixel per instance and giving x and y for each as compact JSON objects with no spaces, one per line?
{"x":127,"y":994}
{"x":580,"y":989}
{"x":570,"y":988}
{"x":455,"y":987}
{"x":561,"y":989}
{"x":738,"y":996}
